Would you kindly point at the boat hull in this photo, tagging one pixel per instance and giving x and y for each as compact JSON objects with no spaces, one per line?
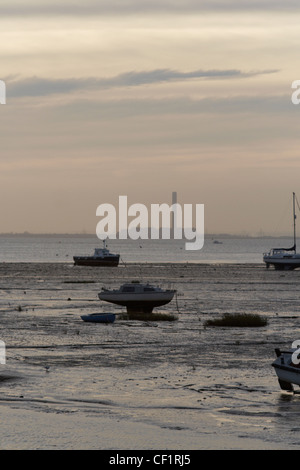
{"x":138,"y":302}
{"x":288,"y":374}
{"x":99,"y":318}
{"x":286,"y":262}
{"x":91,"y":261}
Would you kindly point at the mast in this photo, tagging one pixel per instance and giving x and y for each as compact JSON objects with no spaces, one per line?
{"x":294,"y":213}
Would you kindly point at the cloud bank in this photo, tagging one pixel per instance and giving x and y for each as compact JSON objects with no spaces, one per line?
{"x":35,"y":86}
{"x":116,"y":7}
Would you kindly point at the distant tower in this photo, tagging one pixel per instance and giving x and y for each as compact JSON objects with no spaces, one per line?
{"x":174,"y":201}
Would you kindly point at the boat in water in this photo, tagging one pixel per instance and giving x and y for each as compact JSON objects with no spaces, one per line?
{"x":138,"y":297}
{"x":101,"y":257}
{"x":288,"y":373}
{"x":99,"y":318}
{"x":284,"y":258}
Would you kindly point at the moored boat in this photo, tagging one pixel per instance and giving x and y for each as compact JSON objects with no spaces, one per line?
{"x":101,"y":257}
{"x":284,"y":258}
{"x":136,"y":296}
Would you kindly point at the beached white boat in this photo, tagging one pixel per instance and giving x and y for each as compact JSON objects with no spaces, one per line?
{"x":284,"y":258}
{"x":101,"y":257}
{"x":137,"y":296}
{"x":288,"y":373}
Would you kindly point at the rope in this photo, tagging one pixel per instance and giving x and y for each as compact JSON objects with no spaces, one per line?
{"x":297,"y":203}
{"x":177,"y":303}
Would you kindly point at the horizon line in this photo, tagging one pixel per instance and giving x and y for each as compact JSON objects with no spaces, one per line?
{"x":86,"y":234}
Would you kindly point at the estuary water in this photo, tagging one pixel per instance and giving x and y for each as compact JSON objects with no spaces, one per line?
{"x":62,"y":248}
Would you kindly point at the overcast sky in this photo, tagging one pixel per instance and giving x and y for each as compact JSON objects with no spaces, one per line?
{"x":143,"y":98}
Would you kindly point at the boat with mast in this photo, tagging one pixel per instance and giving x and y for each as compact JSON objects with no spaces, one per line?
{"x":284,"y":258}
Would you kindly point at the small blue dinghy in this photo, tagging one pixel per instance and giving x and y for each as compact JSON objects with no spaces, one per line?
{"x":99,"y":317}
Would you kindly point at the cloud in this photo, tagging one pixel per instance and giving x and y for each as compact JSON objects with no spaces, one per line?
{"x":115,"y":7}
{"x":264,"y":107}
{"x":35,"y":86}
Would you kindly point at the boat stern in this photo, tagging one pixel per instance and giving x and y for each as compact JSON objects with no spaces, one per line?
{"x":288,"y":374}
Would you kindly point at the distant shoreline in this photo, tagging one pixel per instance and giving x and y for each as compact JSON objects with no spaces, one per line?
{"x":214,"y":236}
{"x":138,"y":263}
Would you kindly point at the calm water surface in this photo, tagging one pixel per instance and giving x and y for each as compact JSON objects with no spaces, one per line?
{"x":63,"y":248}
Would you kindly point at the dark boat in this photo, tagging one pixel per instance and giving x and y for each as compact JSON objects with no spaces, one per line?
{"x":99,"y":317}
{"x":101,"y":257}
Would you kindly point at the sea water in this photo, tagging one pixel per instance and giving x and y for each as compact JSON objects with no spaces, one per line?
{"x":62,"y":248}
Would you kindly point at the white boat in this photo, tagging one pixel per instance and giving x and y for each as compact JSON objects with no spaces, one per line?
{"x":137,"y":297}
{"x":288,"y":374}
{"x":101,"y":257}
{"x":284,"y":258}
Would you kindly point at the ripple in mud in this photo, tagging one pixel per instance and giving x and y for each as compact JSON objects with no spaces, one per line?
{"x":217,"y":388}
{"x":9,"y":377}
{"x":6,"y":378}
{"x":254,"y":413}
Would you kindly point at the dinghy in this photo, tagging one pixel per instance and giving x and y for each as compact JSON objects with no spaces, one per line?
{"x":99,"y":317}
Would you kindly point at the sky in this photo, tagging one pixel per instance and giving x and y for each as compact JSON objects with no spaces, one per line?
{"x":142,"y":98}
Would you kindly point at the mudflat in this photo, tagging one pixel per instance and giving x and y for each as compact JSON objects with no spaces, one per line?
{"x":143,"y":384}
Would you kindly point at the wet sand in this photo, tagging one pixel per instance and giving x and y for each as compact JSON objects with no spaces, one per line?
{"x":144,"y":385}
